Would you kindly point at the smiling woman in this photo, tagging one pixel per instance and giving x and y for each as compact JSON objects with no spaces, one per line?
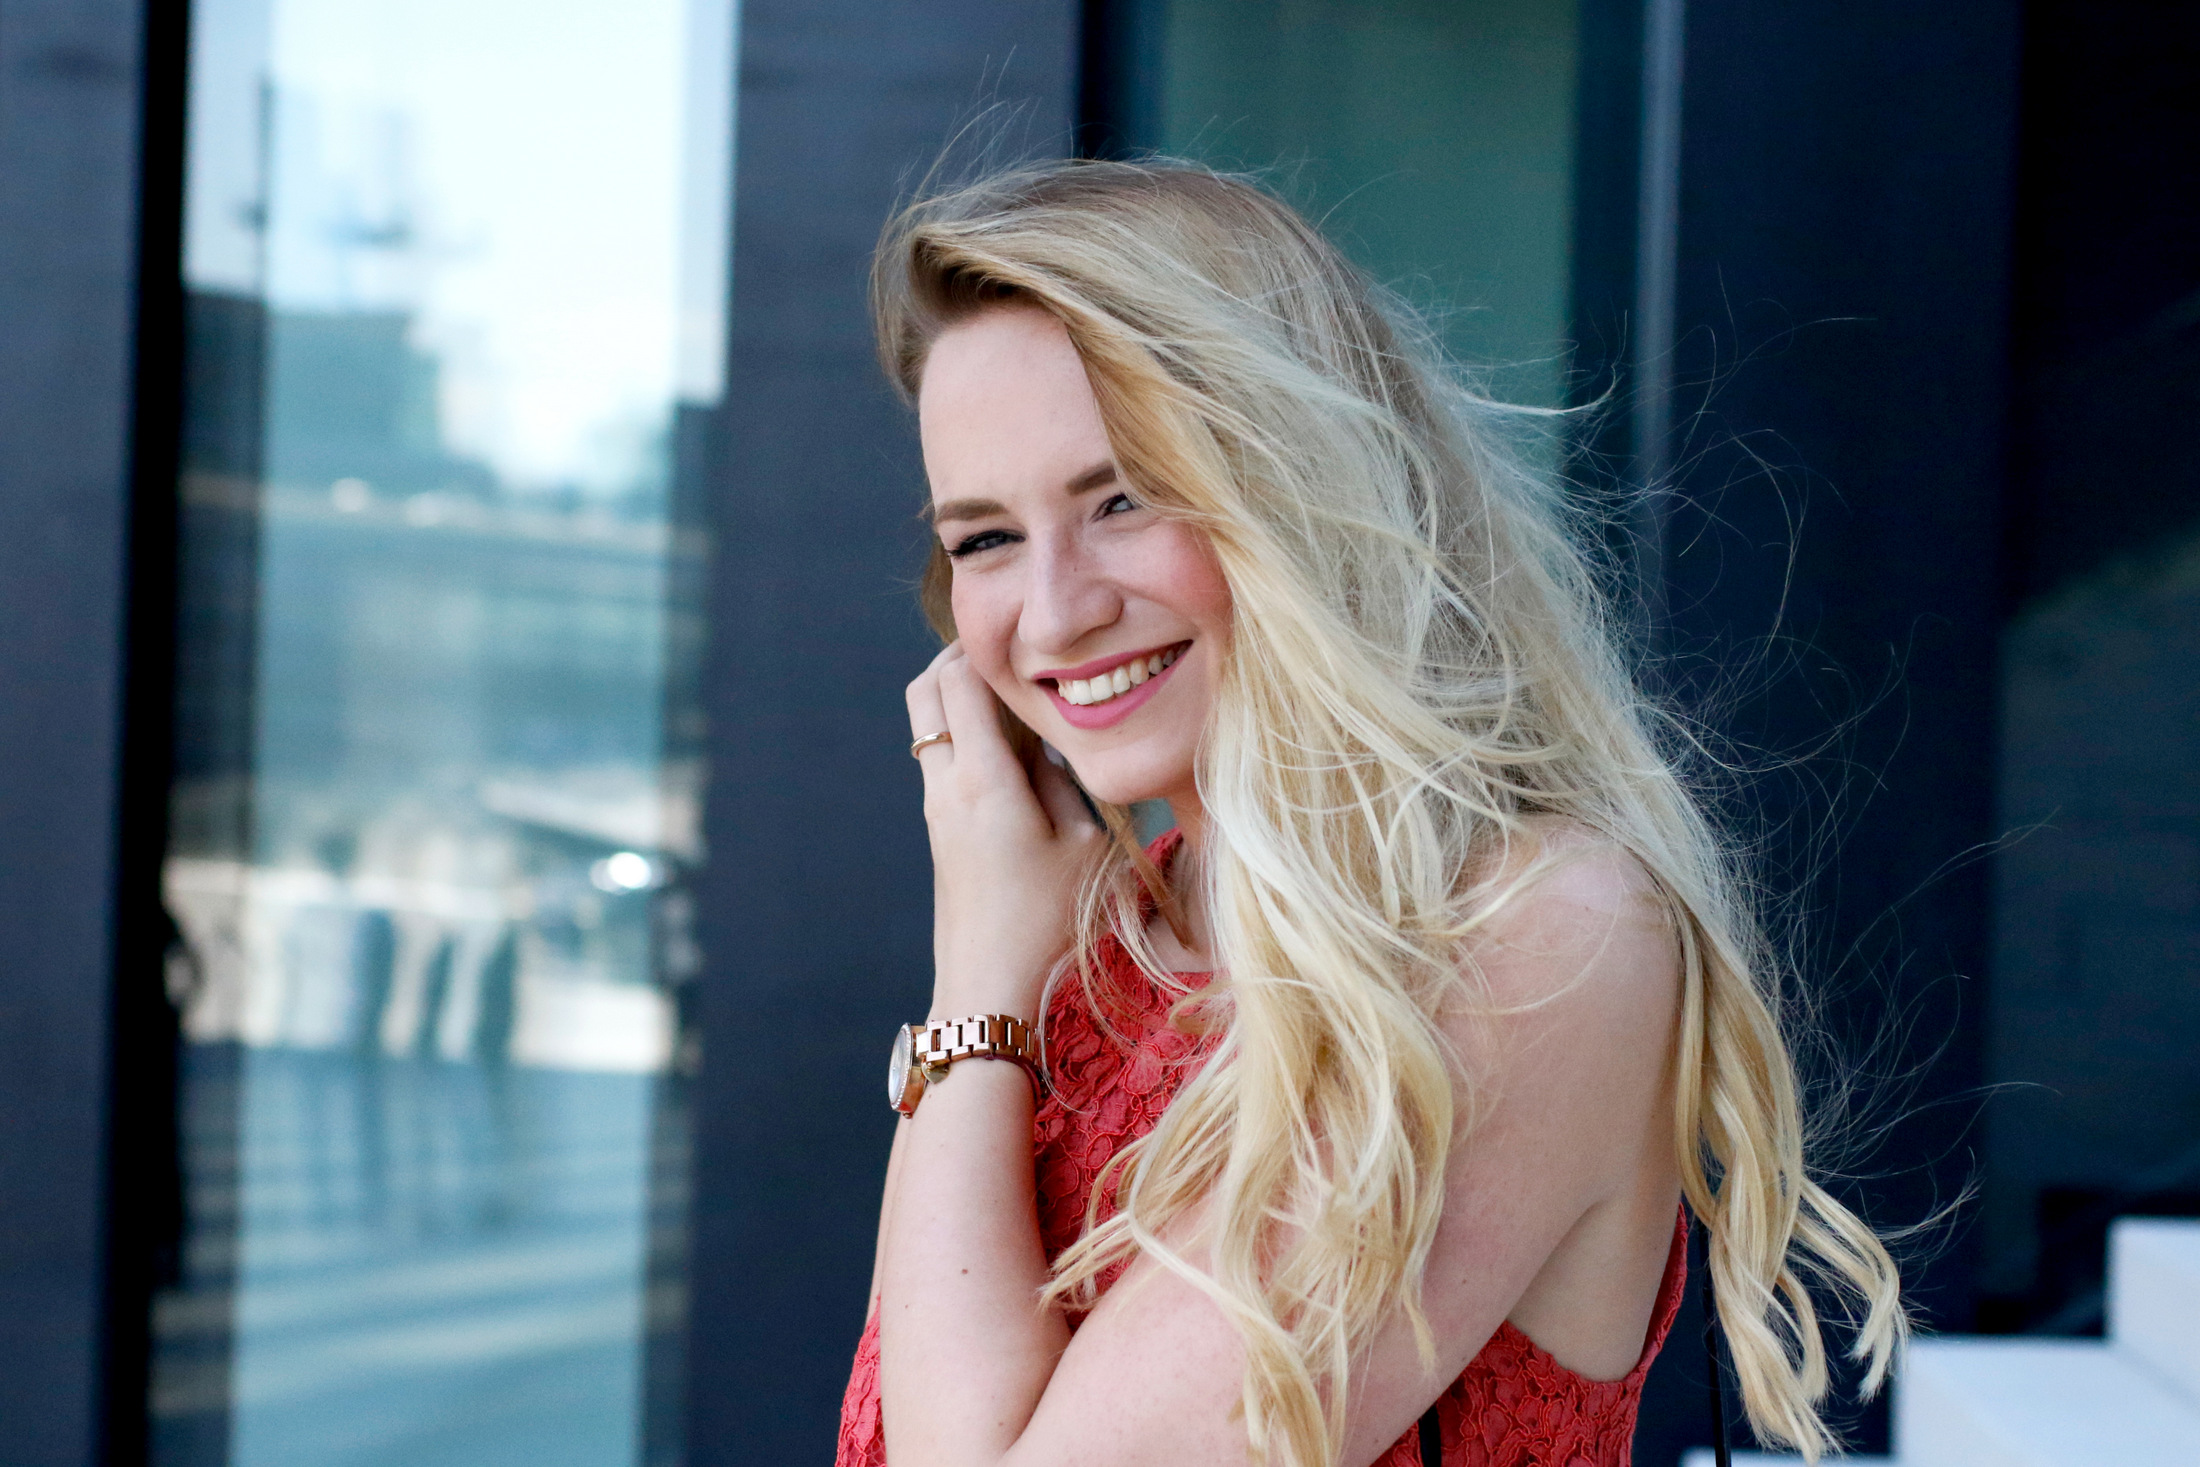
{"x":1382,"y":1080}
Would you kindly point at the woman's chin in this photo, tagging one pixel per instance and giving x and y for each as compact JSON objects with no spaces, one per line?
{"x":1110,"y":783}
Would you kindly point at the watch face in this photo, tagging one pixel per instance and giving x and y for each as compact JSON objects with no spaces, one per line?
{"x":898,"y":1061}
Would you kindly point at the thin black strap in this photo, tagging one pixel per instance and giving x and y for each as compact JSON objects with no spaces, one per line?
{"x":1719,"y":1446}
{"x":1432,"y":1439}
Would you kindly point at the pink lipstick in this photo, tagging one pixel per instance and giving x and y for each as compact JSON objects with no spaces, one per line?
{"x":1107,"y":690}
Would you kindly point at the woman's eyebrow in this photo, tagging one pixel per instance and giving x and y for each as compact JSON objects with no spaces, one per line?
{"x":963,"y":509}
{"x":1092,"y":478}
{"x":977,"y":509}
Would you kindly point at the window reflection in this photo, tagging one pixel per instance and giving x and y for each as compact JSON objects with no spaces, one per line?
{"x":1436,"y":137}
{"x":455,"y":313}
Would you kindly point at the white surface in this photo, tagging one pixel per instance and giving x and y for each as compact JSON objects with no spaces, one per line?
{"x":2038,"y":1403}
{"x":2154,"y":1299}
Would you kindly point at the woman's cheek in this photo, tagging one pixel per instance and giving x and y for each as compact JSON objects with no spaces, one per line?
{"x":981,"y":629}
{"x":1195,"y":574}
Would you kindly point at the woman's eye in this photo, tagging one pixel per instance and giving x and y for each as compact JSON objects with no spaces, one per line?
{"x":983,"y":540}
{"x":1117,"y":504}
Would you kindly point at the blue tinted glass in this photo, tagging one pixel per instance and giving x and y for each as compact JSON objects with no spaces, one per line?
{"x":1434,"y":138}
{"x":455,"y":275}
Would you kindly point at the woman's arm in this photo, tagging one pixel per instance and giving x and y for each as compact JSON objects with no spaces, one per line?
{"x":885,"y":1217}
{"x":965,"y":1349}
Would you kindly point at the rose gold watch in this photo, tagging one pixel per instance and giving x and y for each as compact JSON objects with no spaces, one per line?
{"x":922,"y":1053}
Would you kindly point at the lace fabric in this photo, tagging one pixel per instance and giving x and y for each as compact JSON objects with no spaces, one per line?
{"x":1513,"y":1406}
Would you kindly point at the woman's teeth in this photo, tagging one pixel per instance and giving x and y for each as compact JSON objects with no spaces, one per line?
{"x":1087,"y":691}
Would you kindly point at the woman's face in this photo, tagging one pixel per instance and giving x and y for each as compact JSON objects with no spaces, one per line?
{"x":1097,"y":621}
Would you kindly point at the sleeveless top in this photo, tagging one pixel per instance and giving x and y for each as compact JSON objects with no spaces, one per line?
{"x":1108,"y":1083}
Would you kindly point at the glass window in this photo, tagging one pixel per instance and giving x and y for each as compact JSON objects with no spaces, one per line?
{"x":455,"y":306}
{"x":2093,"y":1022}
{"x":1435,"y":138}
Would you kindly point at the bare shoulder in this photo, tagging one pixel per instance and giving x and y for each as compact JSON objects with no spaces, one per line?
{"x":1571,"y":912}
{"x":1558,"y":1211}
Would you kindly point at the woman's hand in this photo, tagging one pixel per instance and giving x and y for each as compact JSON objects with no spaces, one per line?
{"x":1008,"y":847}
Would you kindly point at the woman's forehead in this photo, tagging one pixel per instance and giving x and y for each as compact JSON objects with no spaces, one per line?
{"x":1006,"y":412}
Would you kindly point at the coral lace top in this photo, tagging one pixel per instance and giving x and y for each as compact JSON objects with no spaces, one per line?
{"x":1513,"y":1406}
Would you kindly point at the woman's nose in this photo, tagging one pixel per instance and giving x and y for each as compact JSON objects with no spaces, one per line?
{"x":1067,"y":599}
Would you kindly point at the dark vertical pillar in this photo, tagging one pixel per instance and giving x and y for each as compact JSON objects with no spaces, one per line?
{"x":1607,"y":164}
{"x":1120,"y":77}
{"x":1605,"y":336}
{"x":70,"y":95}
{"x":144,"y":1160}
{"x":1841,"y":304}
{"x":815,"y":909}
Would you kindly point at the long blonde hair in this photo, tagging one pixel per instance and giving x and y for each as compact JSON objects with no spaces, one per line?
{"x":1421,"y":662}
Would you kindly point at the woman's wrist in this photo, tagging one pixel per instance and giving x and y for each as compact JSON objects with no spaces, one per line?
{"x":994,"y":988}
{"x":946,"y":1008}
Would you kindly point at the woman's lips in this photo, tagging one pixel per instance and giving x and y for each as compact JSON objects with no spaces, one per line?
{"x":1098,"y":705}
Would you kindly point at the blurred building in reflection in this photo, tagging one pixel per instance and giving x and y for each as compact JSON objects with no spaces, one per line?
{"x":459,"y":700}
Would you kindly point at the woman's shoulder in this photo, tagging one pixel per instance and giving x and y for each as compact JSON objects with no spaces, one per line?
{"x":1557,"y":858}
{"x":1557,"y":902}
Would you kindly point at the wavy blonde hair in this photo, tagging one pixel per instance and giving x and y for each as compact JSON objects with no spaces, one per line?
{"x":1420,"y":663}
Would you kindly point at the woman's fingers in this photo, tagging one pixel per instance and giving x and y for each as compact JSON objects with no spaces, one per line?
{"x":1059,"y":797}
{"x":950,"y":697}
{"x":927,"y":714}
{"x":973,"y":715}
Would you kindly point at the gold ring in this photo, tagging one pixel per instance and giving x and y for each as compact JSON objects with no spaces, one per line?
{"x":942,"y":737}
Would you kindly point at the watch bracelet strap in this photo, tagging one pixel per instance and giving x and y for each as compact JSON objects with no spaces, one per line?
{"x":940,"y":1043}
